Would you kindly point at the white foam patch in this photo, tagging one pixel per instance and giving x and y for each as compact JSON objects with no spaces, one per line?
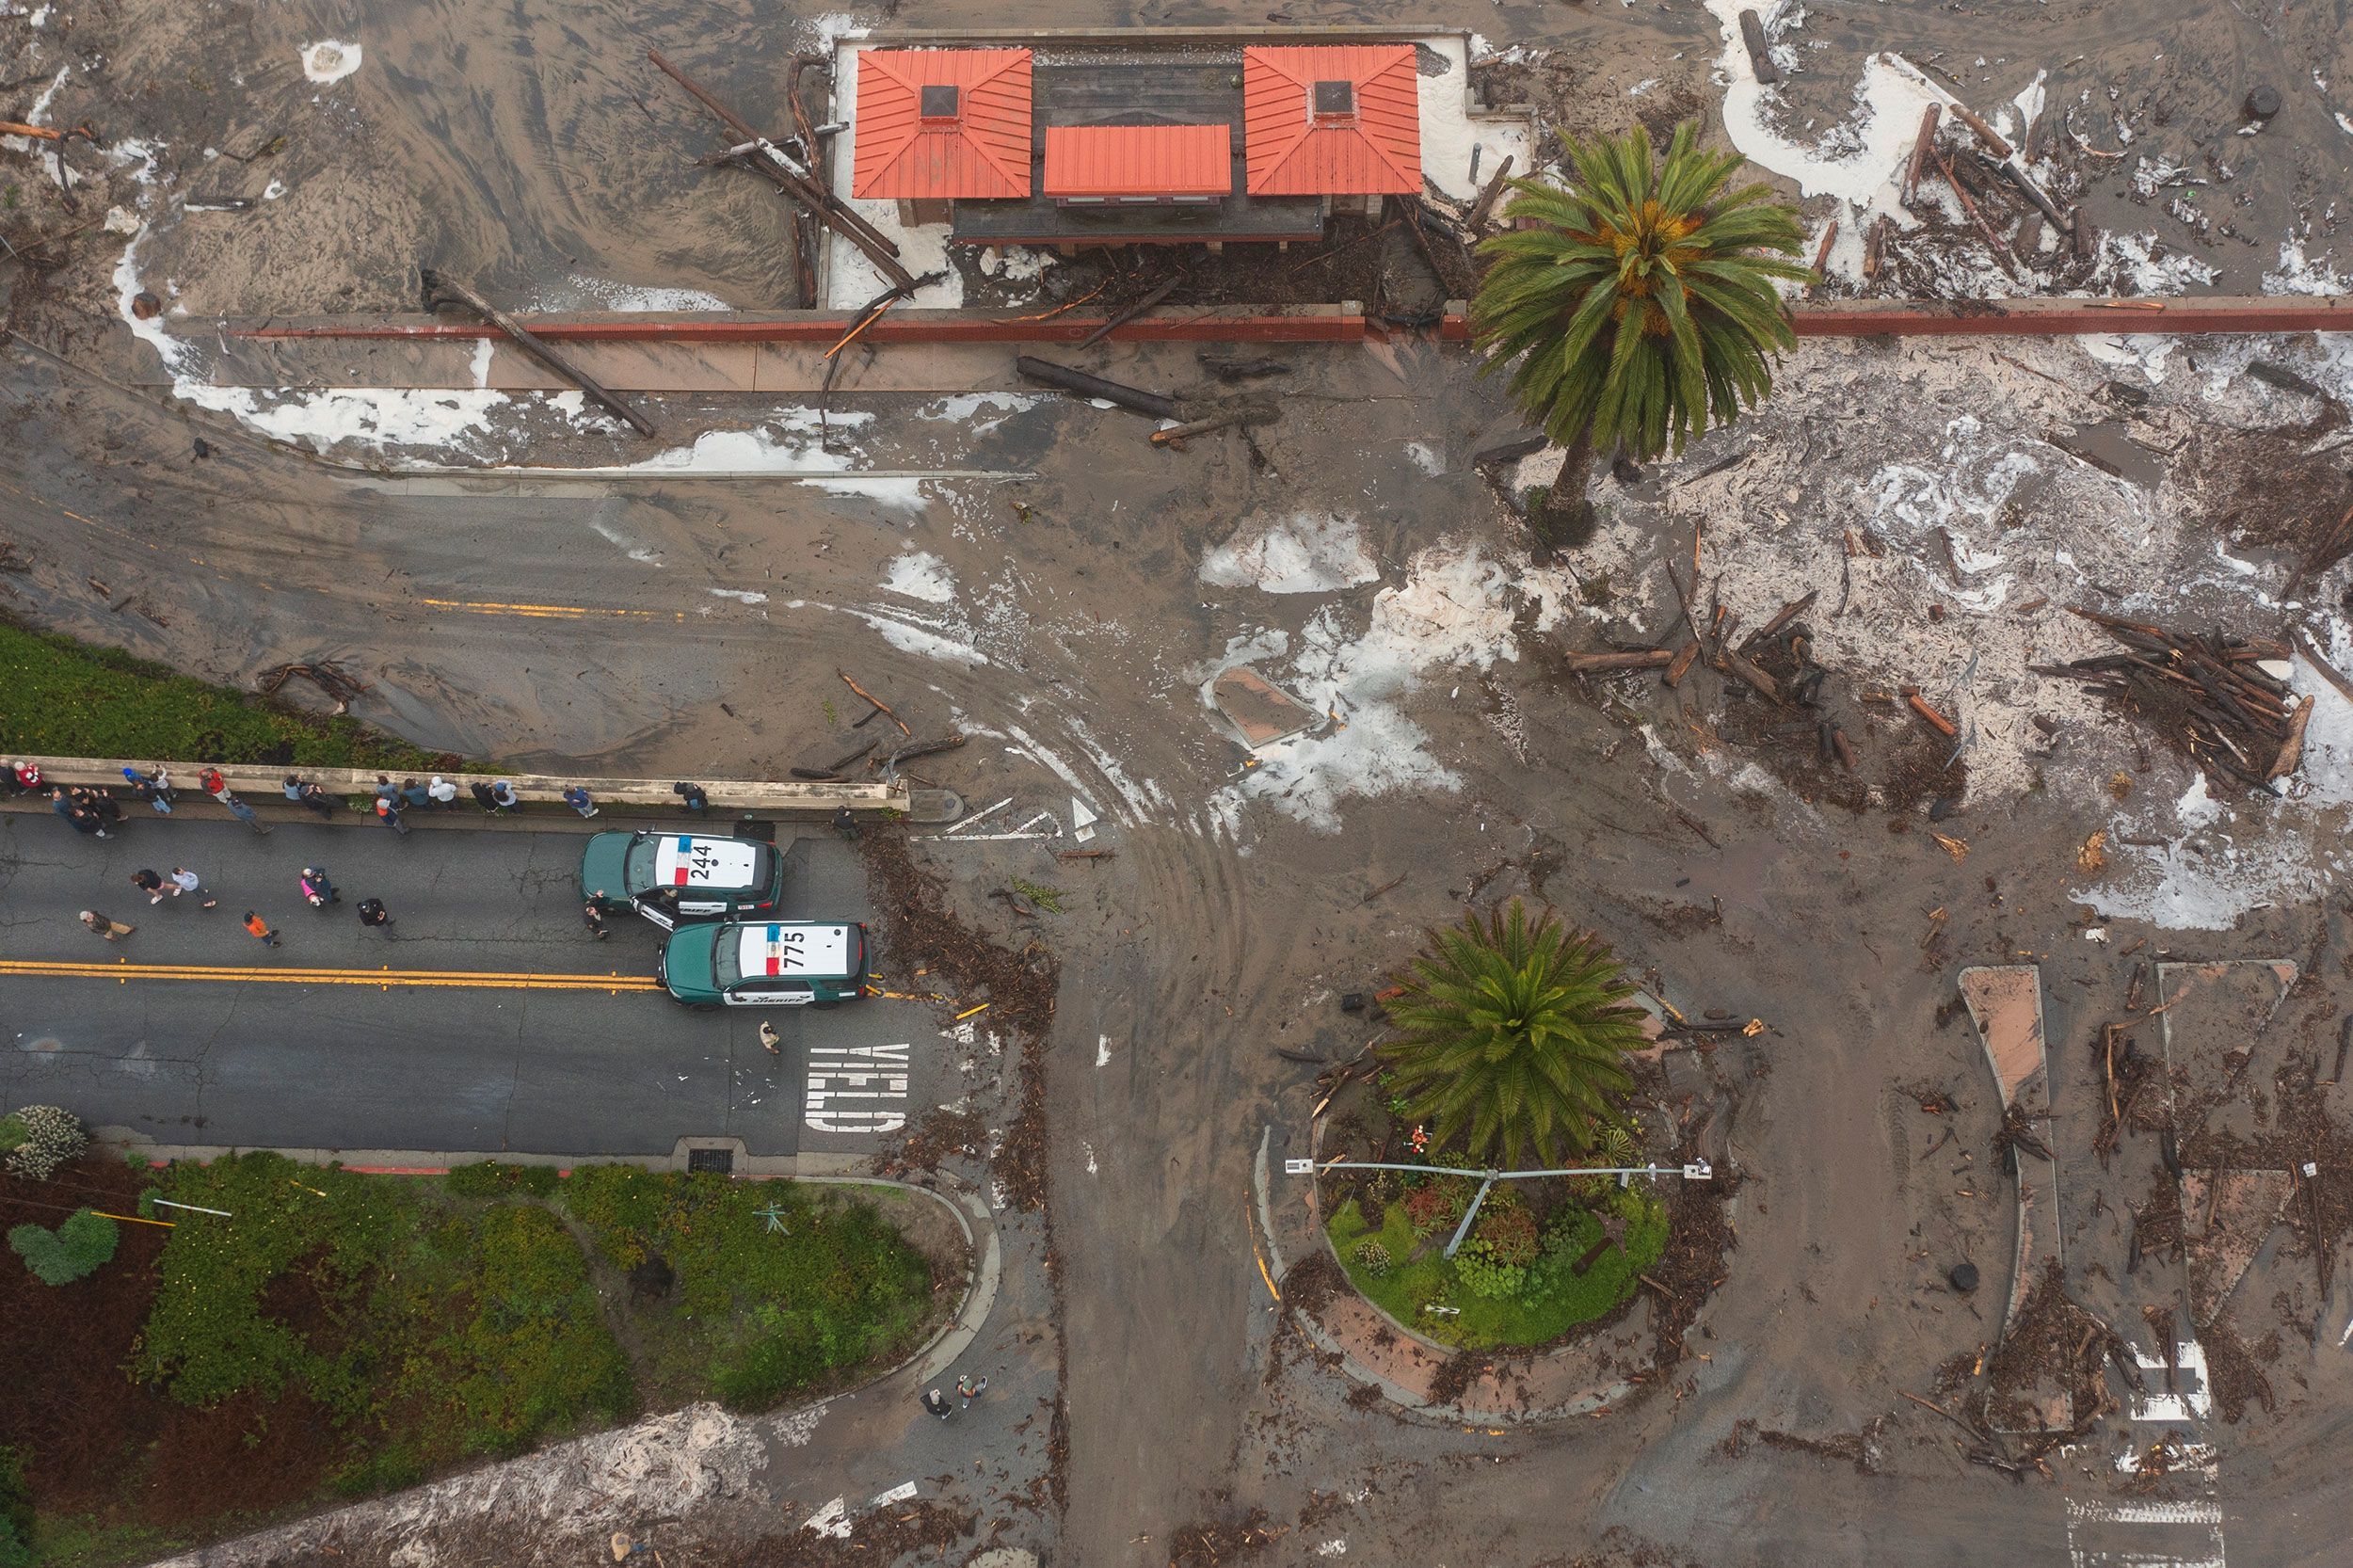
{"x":1449,"y":134}
{"x":851,"y":278}
{"x":1305,"y":553}
{"x":1860,"y":161}
{"x":581,"y":292}
{"x":1452,"y":611}
{"x":330,"y":60}
{"x":920,"y":575}
{"x":906,"y":635}
{"x":1428,"y":459}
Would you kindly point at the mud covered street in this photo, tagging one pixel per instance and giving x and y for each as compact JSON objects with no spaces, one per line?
{"x":1934,"y":511}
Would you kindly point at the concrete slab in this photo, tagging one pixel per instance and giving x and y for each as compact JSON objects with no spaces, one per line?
{"x":2006,"y":1004}
{"x":2226,"y":1217}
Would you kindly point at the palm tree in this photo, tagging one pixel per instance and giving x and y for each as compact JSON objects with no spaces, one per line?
{"x":1511,"y":1038}
{"x":1636,"y":306}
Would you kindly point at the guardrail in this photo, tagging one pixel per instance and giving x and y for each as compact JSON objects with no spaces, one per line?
{"x":262,"y":784}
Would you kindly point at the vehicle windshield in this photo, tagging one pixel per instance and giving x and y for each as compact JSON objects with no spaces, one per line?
{"x":725,"y":970}
{"x":637,"y":866}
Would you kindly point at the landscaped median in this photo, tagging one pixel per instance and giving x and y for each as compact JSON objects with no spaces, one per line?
{"x":328,"y":1334}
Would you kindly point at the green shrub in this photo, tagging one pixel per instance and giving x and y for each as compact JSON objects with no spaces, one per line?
{"x":493,"y":1178}
{"x":1373,"y":1259}
{"x":16,"y":1512}
{"x":40,"y":1138}
{"x":68,"y":699}
{"x":75,"y":1250}
{"x":1483,"y":1274}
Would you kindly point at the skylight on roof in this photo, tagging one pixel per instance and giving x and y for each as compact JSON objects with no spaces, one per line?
{"x":1334,"y":99}
{"x":940,"y":100}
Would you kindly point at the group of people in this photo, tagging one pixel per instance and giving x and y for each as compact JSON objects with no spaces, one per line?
{"x":94,"y":811}
{"x":319,"y":891}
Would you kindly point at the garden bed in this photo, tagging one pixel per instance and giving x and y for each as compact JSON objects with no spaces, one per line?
{"x":341,"y":1335}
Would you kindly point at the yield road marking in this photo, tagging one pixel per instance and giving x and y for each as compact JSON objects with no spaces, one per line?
{"x":504,"y":981}
{"x":545,"y":612}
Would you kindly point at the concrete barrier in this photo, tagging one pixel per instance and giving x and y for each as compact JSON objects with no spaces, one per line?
{"x":262,"y":784}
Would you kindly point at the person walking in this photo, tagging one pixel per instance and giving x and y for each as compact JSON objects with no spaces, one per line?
{"x":595,"y":918}
{"x":388,"y":812}
{"x":100,"y":925}
{"x":372,"y":912}
{"x":187,"y":881}
{"x":770,"y":1039}
{"x":259,"y":928}
{"x":147,"y":882}
{"x":577,"y":798}
{"x":317,"y":888}
{"x":154,"y":787}
{"x":504,"y":793}
{"x":482,"y":797}
{"x":971,"y":1388}
{"x":243,"y":812}
{"x":937,"y":1402}
{"x":443,"y":793}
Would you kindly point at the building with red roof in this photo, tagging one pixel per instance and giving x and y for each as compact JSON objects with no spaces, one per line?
{"x":938,"y":125}
{"x":1337,"y":119}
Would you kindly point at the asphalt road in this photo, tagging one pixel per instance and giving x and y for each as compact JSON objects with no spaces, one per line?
{"x":302,"y":1045}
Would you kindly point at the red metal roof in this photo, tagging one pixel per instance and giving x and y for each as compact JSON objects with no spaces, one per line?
{"x":1138,"y":160}
{"x":984,"y":151}
{"x":1289,"y":151}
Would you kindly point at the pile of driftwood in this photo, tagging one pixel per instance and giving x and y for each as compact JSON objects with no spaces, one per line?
{"x":1775,"y":661}
{"x":2204,"y":692}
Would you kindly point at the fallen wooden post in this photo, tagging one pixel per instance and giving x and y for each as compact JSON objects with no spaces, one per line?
{"x":1681,"y":665}
{"x":1920,"y":147}
{"x":436,"y":285}
{"x":1760,"y":57}
{"x":1984,"y":132}
{"x":1509,"y":451}
{"x":1821,"y":251}
{"x":1748,"y":670}
{"x":1120,"y":318}
{"x":1251,"y":412}
{"x":40,"y":133}
{"x":2292,"y":749}
{"x":1486,"y":203}
{"x":1639,"y":659}
{"x":929,"y":748}
{"x":2001,"y":251}
{"x":1079,"y":381}
{"x":797,"y":181}
{"x":1782,"y":618}
{"x":1934,"y":720}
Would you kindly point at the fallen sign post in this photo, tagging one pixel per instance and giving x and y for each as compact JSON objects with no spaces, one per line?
{"x":1697,"y":1170}
{"x":436,"y":285}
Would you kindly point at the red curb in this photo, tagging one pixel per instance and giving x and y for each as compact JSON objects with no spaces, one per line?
{"x":2025,"y":317}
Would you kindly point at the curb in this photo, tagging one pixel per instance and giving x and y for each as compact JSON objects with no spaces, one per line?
{"x":266,"y":783}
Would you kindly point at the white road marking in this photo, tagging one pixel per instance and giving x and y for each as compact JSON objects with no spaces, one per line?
{"x":833,"y":1519}
{"x":898,"y":1493}
{"x":1103,"y":1059}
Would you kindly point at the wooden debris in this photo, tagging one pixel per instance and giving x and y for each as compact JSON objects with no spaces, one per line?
{"x":1929,"y":715}
{"x":876,"y":704}
{"x":1760,"y":54}
{"x":438,"y":285}
{"x":1957,"y":848}
{"x":1079,"y":381}
{"x":1680,"y":666}
{"x":798,"y":182}
{"x":1920,"y":148}
{"x":1127,"y":313}
{"x":1255,"y":411}
{"x":2202,"y":691}
{"x":1476,"y":218}
{"x":1639,"y":659}
{"x":1984,"y":132}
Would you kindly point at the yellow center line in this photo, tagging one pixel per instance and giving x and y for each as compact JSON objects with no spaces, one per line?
{"x":545,"y":612}
{"x":505,"y":980}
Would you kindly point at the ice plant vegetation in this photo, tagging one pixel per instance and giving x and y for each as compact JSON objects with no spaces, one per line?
{"x":1509,"y":1040}
{"x":1636,"y":306}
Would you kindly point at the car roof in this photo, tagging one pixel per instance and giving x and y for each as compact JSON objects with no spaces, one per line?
{"x":702,"y":860}
{"x":792,"y":947}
